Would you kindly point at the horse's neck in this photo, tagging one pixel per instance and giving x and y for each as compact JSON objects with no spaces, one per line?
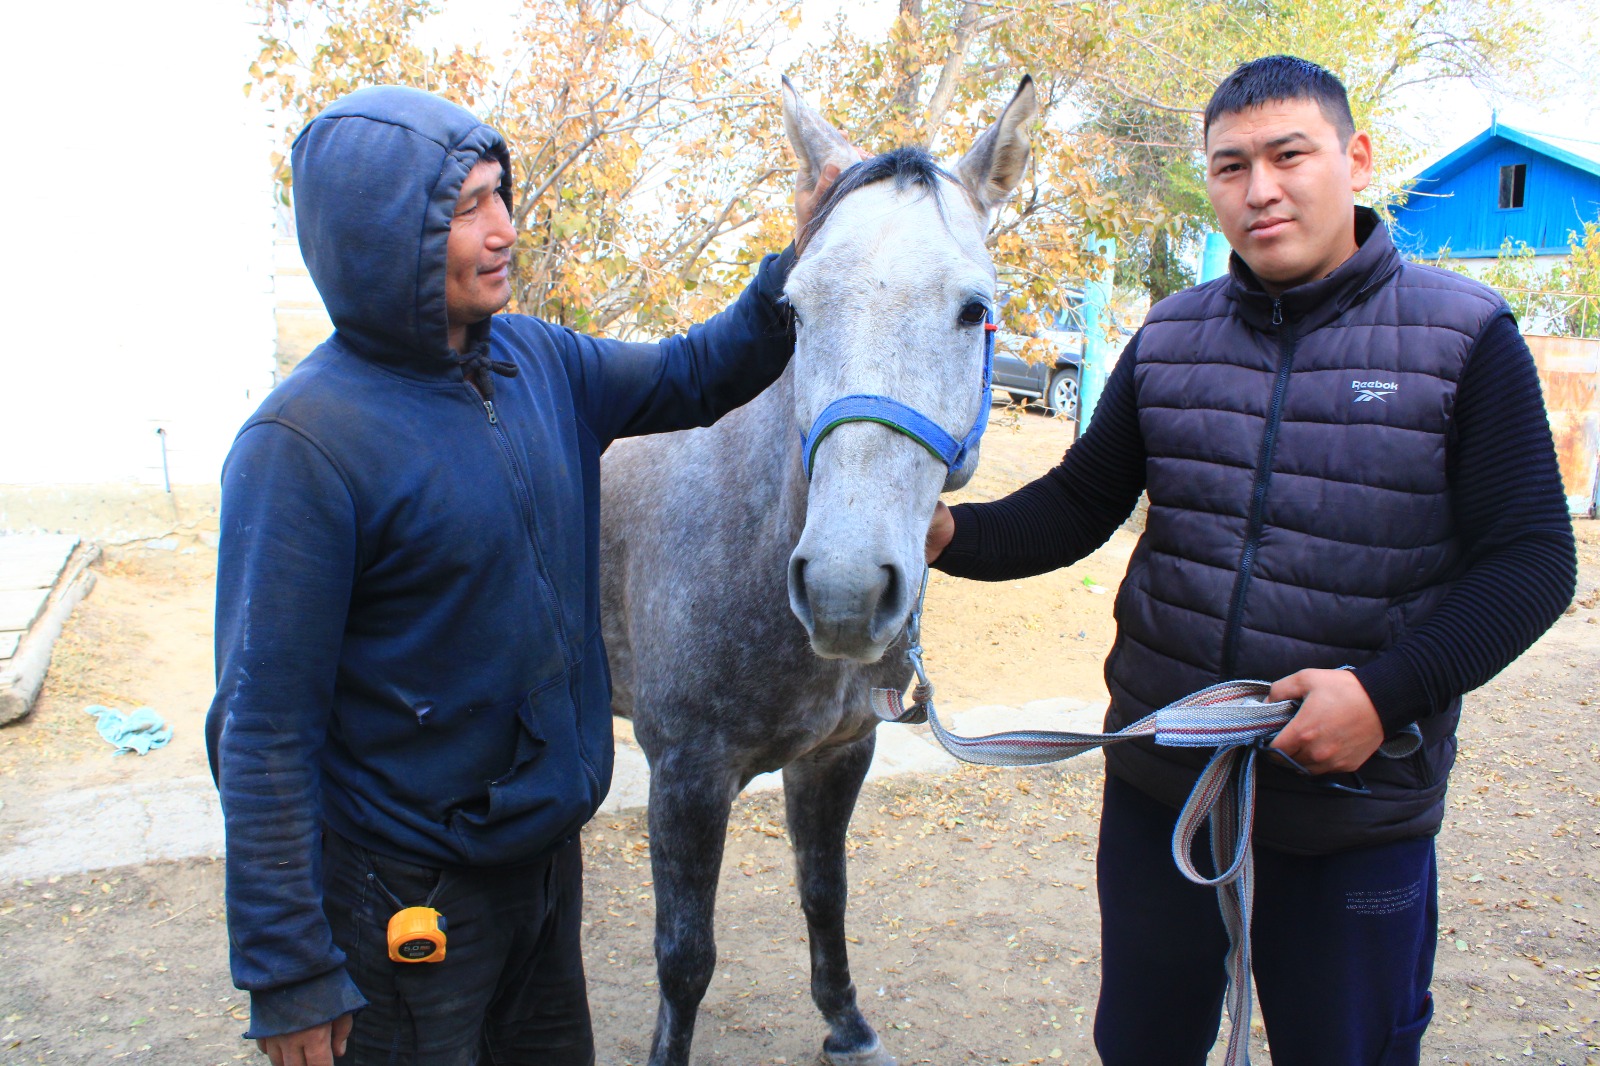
{"x":765,"y":428}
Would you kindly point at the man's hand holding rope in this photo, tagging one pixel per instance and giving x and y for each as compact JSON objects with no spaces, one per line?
{"x":1336,"y":729}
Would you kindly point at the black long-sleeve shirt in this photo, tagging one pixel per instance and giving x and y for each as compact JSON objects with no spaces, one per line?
{"x":1519,"y":558}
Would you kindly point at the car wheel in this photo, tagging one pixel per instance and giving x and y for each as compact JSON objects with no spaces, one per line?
{"x":1062,"y":397}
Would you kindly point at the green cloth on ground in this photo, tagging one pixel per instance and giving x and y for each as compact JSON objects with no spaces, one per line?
{"x":138,"y":732}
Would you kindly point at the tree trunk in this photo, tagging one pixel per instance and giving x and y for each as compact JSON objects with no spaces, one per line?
{"x":909,"y":29}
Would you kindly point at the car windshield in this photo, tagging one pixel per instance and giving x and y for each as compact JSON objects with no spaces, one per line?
{"x":1068,"y":319}
{"x":1070,"y":316}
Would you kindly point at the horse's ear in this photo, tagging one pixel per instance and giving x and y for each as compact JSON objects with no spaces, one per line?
{"x":815,"y":142}
{"x":993,"y":165}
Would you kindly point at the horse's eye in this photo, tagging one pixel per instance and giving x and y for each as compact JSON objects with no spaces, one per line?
{"x":973,"y":313}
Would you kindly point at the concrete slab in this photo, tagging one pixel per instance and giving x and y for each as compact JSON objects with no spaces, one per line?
{"x":39,"y":614}
{"x":164,"y":818}
{"x":30,"y":565}
{"x":125,"y":825}
{"x":1061,"y":715}
{"x":8,"y":644}
{"x":1067,"y":715}
{"x":21,"y":574}
{"x":630,"y":780}
{"x":908,"y":750}
{"x":21,"y":607}
{"x":764,"y":782}
{"x":900,"y":750}
{"x":33,"y":561}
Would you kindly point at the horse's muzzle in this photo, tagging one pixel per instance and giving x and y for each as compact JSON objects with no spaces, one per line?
{"x":851,"y":610}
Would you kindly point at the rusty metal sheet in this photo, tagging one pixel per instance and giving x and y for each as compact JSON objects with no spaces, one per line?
{"x":1569,"y":371}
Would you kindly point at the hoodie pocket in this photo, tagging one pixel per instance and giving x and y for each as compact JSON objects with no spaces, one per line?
{"x":544,"y":748}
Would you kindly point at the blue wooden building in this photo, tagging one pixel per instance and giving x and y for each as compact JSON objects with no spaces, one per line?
{"x":1503,"y":184}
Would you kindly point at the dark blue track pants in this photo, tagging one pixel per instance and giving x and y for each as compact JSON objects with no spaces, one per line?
{"x":1342,"y":947}
{"x":510,"y":990}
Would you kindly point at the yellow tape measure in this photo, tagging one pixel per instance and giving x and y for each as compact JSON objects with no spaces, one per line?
{"x":416,"y":934}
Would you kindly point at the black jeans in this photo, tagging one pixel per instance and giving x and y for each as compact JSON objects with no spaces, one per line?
{"x":510,"y":990}
{"x":1342,"y":947}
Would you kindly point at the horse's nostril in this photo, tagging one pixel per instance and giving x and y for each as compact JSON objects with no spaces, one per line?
{"x":891,"y":609}
{"x":847,"y":609}
{"x":799,"y":602}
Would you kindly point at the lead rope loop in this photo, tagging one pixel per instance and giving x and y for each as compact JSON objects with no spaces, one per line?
{"x":1233,"y":717}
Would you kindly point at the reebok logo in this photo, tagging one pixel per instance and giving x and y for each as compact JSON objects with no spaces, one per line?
{"x":1367,"y":391}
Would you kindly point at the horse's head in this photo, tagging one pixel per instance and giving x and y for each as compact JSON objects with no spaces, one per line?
{"x":892,"y":293}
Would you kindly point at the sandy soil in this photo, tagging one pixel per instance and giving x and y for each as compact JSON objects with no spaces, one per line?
{"x":973,"y":907}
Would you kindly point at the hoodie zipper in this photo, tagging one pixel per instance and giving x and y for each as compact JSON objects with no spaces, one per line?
{"x":1258,"y":496}
{"x":525,"y":500}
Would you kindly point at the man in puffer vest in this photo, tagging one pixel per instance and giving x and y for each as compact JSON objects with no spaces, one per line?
{"x":1348,"y":463}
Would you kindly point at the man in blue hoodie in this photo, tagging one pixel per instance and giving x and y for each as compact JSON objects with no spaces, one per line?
{"x":413,"y":704}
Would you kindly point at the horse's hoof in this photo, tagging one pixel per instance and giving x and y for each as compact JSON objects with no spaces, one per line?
{"x":868,"y":1056}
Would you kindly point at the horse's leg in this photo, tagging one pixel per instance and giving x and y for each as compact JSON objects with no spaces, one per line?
{"x":820,"y":792}
{"x":689,"y":804}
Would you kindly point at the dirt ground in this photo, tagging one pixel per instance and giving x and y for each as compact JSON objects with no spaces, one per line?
{"x":973,"y":915}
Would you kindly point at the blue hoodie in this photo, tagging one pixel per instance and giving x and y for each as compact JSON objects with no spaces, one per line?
{"x":408,"y":616}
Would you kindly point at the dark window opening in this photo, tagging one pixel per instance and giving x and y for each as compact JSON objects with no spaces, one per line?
{"x":1512,"y":180}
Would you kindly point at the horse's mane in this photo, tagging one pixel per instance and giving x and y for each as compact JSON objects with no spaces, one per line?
{"x":907,"y":166}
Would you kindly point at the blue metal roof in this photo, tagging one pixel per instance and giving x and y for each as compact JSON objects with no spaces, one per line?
{"x":1454,"y":204}
{"x":1469,"y":153}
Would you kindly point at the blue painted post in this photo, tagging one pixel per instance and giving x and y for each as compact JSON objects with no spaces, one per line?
{"x":1096,"y":351}
{"x":1214,"y":262}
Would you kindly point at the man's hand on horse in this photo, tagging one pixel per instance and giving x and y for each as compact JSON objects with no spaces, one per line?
{"x":316,"y":1046}
{"x":1336,"y":729}
{"x":807,"y":196}
{"x":940,"y":530}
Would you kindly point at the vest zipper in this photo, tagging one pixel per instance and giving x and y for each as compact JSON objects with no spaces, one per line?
{"x":1258,"y":497}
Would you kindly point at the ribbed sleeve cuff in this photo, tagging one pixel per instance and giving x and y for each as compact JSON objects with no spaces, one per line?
{"x":1396,"y":689}
{"x":960,"y":556}
{"x":291,"y":1008}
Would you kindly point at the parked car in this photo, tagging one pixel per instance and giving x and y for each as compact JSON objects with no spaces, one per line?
{"x":1054,"y":384}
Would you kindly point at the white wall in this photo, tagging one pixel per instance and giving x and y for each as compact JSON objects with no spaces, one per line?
{"x":136,"y":267}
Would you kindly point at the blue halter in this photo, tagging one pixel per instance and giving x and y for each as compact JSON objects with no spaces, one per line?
{"x":906,"y":419}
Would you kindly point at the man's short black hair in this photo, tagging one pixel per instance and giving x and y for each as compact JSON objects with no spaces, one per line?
{"x":1273,"y":79}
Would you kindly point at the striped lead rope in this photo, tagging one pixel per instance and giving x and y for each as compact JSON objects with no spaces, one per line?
{"x":1234,"y":717}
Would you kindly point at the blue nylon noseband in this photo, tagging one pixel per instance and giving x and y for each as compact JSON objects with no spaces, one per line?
{"x":866,"y":407}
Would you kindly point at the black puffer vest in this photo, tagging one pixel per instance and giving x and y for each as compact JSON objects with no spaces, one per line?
{"x":1299,"y":515}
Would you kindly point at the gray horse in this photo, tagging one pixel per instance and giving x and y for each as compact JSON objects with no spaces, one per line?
{"x":748,"y":608}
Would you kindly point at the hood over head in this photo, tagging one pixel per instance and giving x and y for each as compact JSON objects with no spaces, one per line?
{"x":376,"y":179}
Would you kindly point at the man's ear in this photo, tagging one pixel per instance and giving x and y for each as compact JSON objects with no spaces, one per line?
{"x":815,"y":142}
{"x":1360,"y":152}
{"x":993,"y":165}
